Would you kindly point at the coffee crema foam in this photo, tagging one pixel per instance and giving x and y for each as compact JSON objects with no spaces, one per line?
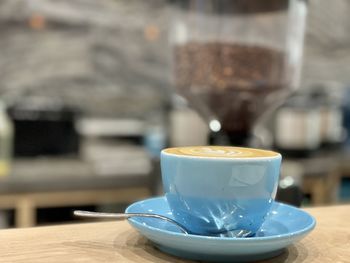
{"x":221,"y":151}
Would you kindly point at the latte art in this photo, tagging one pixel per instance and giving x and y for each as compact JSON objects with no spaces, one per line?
{"x":220,"y":151}
{"x":209,"y":151}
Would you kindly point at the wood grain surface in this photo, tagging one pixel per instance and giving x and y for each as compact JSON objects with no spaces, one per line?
{"x":118,"y":242}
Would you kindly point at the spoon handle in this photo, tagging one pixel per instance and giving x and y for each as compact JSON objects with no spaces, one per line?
{"x":120,"y":216}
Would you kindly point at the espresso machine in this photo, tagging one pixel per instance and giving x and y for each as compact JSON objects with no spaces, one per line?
{"x":236,"y":60}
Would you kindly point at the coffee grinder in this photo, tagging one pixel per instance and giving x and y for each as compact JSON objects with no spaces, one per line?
{"x":234,"y":60}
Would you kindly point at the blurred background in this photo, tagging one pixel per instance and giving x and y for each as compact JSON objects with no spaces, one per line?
{"x":91,"y":91}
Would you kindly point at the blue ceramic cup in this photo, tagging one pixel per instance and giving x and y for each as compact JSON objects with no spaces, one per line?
{"x":213,"y":189}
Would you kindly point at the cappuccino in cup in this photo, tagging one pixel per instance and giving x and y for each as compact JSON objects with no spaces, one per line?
{"x":221,"y":152}
{"x":215,"y":189}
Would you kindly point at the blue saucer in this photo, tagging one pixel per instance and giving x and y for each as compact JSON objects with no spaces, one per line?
{"x":284,"y":225}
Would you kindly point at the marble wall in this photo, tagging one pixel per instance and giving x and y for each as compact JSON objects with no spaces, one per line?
{"x":110,"y":57}
{"x":107,"y":57}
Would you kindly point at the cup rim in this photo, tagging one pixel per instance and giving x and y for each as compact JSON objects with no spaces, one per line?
{"x":223,"y":158}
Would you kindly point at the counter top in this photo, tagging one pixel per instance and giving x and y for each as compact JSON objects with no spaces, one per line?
{"x":118,"y":242}
{"x":46,"y":174}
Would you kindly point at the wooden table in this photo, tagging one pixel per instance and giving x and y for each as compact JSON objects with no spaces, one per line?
{"x":118,"y":242}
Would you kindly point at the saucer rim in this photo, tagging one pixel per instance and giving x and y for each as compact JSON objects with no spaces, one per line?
{"x":300,"y":232}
